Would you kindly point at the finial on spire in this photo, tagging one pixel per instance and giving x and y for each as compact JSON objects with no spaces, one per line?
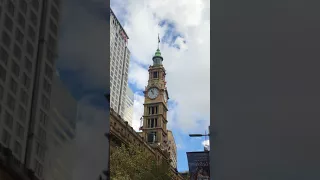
{"x":158,"y":40}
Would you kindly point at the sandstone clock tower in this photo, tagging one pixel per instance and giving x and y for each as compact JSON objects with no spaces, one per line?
{"x":154,"y":128}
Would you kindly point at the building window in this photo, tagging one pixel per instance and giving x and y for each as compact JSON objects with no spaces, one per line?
{"x":46,"y":86}
{"x":19,"y":36}
{"x":55,"y":13}
{"x":51,"y":43}
{"x":153,"y":110}
{"x":50,"y":56}
{"x":40,"y":151}
{"x":155,"y":74}
{"x":45,"y":102}
{"x":57,"y":2}
{"x":30,"y":49}
{"x":22,"y":114}
{"x":26,"y":80}
{"x":6,"y":39}
{"x":15,"y":69}
{"x":6,"y":138}
{"x":24,"y":97}
{"x":28,"y":64}
{"x":152,"y":137}
{"x":13,"y":86}
{"x":152,"y":122}
{"x":33,"y":18}
{"x":17,"y":52}
{"x":43,"y":118}
{"x":11,"y":102}
{"x":31,"y":34}
{"x":23,"y":6}
{"x":1,"y":93}
{"x":8,"y":120}
{"x":53,"y":27}
{"x":42,"y":134}
{"x":20,"y":131}
{"x":48,"y":71}
{"x":21,"y":21}
{"x":3,"y":74}
{"x":4,"y":56}
{"x":8,"y":23}
{"x":38,"y":168}
{"x":11,"y":8}
{"x":35,"y":4}
{"x":17,"y":149}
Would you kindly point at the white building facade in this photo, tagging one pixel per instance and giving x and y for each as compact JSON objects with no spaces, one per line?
{"x":119,"y":65}
{"x":128,"y":112}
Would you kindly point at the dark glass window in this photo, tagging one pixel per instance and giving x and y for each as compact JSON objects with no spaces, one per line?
{"x":23,"y":6}
{"x":8,"y":23}
{"x":17,"y":52}
{"x":33,"y":18}
{"x":19,"y":36}
{"x":3,"y":73}
{"x":21,"y":21}
{"x":15,"y":69}
{"x":4,"y":56}
{"x":155,"y":74}
{"x":6,"y":39}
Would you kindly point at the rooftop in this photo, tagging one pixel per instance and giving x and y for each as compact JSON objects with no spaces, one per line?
{"x":115,"y":17}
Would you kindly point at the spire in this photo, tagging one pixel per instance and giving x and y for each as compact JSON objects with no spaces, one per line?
{"x":158,"y":53}
{"x":157,"y":58}
{"x":158,"y":41}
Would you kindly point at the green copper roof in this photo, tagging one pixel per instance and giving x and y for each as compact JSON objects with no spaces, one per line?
{"x":158,"y":53}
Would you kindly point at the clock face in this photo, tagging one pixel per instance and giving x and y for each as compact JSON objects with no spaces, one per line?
{"x":153,"y":93}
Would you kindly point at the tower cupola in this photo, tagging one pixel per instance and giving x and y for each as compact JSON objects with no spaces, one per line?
{"x":157,"y":58}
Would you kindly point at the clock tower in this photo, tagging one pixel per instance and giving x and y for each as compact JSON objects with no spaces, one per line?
{"x":154,"y":128}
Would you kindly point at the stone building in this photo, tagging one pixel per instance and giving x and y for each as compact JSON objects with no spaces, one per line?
{"x":155,"y":136}
{"x":121,"y":132}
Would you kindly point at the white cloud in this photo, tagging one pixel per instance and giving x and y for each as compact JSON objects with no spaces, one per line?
{"x":138,"y":75}
{"x":179,"y":146}
{"x":137,"y":111}
{"x":188,"y":68}
{"x":206,"y":143}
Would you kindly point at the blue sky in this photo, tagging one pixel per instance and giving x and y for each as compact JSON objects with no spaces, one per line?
{"x":140,"y":61}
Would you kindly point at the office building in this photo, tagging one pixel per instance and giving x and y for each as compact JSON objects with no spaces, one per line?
{"x":119,"y":65}
{"x":28,"y":33}
{"x":128,"y":112}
